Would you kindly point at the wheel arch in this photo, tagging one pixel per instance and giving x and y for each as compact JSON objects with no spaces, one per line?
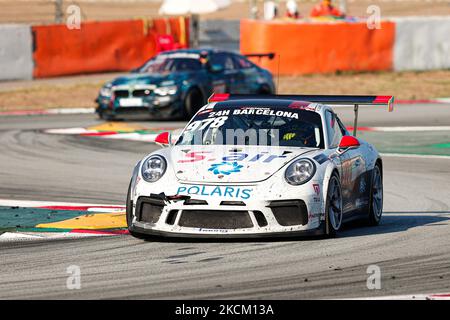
{"x":329,"y":171}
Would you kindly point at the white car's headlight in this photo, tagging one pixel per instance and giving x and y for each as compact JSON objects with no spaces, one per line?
{"x":164,"y":91}
{"x":153,"y":168}
{"x":300,"y":171}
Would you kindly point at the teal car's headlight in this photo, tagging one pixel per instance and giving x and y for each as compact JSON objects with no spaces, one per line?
{"x":164,"y":91}
{"x":153,"y":168}
{"x":106,"y":91}
{"x":300,"y":171}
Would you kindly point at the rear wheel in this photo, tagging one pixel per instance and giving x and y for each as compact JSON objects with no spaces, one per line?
{"x":264,"y":89}
{"x":333,"y":207}
{"x":376,"y":197}
{"x":193,"y":102}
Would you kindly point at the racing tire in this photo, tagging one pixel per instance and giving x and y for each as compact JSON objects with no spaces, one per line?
{"x":376,"y":197}
{"x":193,"y":102}
{"x":264,"y":89}
{"x":103,"y":116}
{"x":129,"y":213}
{"x":333,"y":207}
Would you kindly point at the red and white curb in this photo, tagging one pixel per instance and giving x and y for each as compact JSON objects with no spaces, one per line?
{"x":132,"y":136}
{"x":50,"y":205}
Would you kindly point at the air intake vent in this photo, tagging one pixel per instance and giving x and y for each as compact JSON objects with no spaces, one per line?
{"x":149,"y":210}
{"x":232,"y":203}
{"x":290,"y":212}
{"x":260,"y":218}
{"x":194,"y":202}
{"x":215,"y":219}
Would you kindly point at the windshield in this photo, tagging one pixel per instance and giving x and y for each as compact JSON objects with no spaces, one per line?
{"x":249,"y":124}
{"x":165,"y":63}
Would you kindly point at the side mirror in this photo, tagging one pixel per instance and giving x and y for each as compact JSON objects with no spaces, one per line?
{"x":216,"y":68}
{"x":163,"y":139}
{"x":348,"y":142}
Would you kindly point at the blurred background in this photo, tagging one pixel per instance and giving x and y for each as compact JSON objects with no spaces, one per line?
{"x":58,"y":53}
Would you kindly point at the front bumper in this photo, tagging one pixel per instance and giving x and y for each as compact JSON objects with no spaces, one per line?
{"x":203,"y":217}
{"x":168,"y":107}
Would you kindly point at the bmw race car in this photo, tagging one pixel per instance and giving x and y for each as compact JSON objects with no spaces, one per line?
{"x":251,"y":166}
{"x":174,"y":84}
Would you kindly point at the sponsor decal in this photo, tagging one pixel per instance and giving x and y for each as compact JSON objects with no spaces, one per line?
{"x":216,"y":191}
{"x":321,"y":158}
{"x":231,"y":157}
{"x":289,"y":136}
{"x":314,"y":215}
{"x":225,"y":168}
{"x":316,"y":189}
{"x":265,"y":112}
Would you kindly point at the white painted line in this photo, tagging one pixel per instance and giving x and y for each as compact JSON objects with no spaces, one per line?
{"x":69,"y":131}
{"x":132,"y":137}
{"x":71,"y":111}
{"x":36,"y":204}
{"x":18,"y":236}
{"x":410,"y":129}
{"x":421,"y":296}
{"x":48,"y":111}
{"x":422,"y":156}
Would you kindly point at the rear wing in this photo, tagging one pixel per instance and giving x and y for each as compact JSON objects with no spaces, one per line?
{"x":269,"y":55}
{"x":344,"y":100}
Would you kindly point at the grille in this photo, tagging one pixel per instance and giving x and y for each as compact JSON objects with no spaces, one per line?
{"x":149,"y":210}
{"x":141,"y":93}
{"x":290,"y":213}
{"x":215,"y":219}
{"x":121,"y":93}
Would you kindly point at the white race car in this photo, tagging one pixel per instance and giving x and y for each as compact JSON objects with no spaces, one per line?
{"x":252,"y":166}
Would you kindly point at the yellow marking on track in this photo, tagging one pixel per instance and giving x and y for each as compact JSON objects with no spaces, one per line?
{"x":116,"y":126}
{"x":94,"y":221}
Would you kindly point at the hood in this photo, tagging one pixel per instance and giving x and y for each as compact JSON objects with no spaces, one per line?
{"x":230,"y":164}
{"x":143,"y":79}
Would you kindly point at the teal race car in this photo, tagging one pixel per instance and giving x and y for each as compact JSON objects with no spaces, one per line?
{"x":175,"y":84}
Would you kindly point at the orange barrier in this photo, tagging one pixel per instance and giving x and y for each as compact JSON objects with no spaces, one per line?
{"x":100,"y":46}
{"x":303,"y":48}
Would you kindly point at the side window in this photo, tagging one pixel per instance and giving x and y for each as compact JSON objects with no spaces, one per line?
{"x":242,"y":63}
{"x":223,"y":59}
{"x":342,"y":127}
{"x":334,"y":130}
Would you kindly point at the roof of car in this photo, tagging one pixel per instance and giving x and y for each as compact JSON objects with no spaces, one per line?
{"x":198,"y":51}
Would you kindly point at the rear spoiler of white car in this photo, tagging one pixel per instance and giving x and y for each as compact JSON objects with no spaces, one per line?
{"x":345,"y":100}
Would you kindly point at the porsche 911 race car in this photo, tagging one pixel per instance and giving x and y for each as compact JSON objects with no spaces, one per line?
{"x":174,"y":84}
{"x":252,"y":166}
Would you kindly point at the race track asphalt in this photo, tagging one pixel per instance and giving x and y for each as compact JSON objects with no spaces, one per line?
{"x":411,"y":246}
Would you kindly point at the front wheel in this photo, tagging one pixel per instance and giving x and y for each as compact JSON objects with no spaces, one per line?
{"x":376,"y":197}
{"x":333,"y":207}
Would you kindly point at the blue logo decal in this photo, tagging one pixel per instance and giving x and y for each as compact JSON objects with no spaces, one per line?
{"x":225,"y":168}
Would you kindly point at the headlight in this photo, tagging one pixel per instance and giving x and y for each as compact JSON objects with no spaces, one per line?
{"x":153,"y":168}
{"x":105,"y":91}
{"x":164,"y":91}
{"x":300,"y":171}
